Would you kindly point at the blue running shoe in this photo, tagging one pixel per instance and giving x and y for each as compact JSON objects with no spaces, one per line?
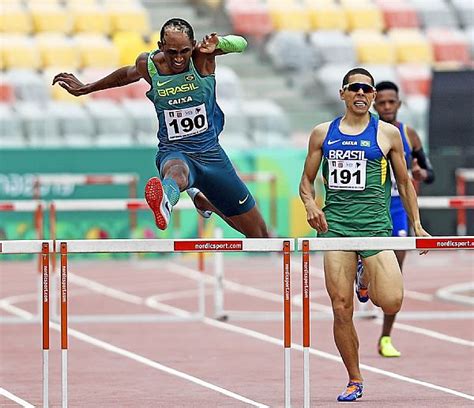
{"x":361,"y":292}
{"x":352,"y":392}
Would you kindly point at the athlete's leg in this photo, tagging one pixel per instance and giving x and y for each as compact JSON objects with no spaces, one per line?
{"x":339,"y":271}
{"x":162,"y":194}
{"x":385,"y":281}
{"x":388,"y":320}
{"x":250,"y":223}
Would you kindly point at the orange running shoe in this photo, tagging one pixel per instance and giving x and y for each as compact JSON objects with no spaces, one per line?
{"x":158,"y":202}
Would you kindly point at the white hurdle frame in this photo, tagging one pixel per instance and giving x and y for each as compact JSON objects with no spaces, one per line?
{"x":284,"y":246}
{"x":306,"y":245}
{"x":44,"y":249}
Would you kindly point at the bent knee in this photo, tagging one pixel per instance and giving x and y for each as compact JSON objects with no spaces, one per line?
{"x":393,"y":306}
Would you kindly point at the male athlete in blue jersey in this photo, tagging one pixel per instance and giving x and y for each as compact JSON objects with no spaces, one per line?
{"x":181,"y":74}
{"x":387,"y":104}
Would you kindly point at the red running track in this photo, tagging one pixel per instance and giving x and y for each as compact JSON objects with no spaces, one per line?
{"x":215,"y":364}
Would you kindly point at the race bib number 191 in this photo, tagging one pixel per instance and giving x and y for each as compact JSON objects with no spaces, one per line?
{"x":186,"y":122}
{"x":347,"y":174}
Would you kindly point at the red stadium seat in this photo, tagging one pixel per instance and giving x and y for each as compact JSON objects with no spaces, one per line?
{"x":398,"y":14}
{"x":137,"y":90}
{"x":415,"y":79}
{"x":7,"y":93}
{"x":449,"y":45}
{"x":250,"y":18}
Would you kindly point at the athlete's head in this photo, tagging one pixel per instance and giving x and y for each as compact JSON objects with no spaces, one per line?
{"x":358,"y":91}
{"x":387,"y":101}
{"x":177,"y":44}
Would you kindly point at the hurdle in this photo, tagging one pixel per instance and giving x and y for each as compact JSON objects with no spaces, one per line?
{"x":279,"y":245}
{"x":307,"y":245}
{"x":463,"y":176}
{"x":98,"y":179}
{"x":364,"y":311}
{"x":43,"y":248}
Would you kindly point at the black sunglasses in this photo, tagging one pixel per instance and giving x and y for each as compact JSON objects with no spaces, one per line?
{"x":355,"y":86}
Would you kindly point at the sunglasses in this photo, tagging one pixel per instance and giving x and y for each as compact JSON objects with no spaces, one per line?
{"x":355,"y":86}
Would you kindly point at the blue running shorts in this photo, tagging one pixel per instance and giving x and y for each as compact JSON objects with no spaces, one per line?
{"x":399,"y":218}
{"x":212,"y":173}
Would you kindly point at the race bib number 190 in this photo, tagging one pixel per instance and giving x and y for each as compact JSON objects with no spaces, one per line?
{"x":186,"y":122}
{"x":347,"y":174}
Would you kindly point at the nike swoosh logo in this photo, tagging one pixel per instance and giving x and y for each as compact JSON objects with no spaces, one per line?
{"x":244,"y":200}
{"x":331,"y":142}
{"x":162,"y":83}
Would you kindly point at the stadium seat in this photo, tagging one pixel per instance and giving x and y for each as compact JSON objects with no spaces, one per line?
{"x":144,"y":120}
{"x":449,"y":45}
{"x":373,"y":47}
{"x":112,"y":124}
{"x":96,"y":51}
{"x":74,"y":123}
{"x":228,"y":84}
{"x":41,"y":129}
{"x":294,"y":46}
{"x":236,"y":129}
{"x":90,"y":19}
{"x":19,"y":51}
{"x":132,"y":18}
{"x":249,"y":18}
{"x":328,"y":82}
{"x":11,"y":135}
{"x":130,"y":45}
{"x":398,"y":14}
{"x":363,"y":16}
{"x":435,"y":13}
{"x":50,"y":18}
{"x":289,"y":16}
{"x":15,"y":19}
{"x":7,"y":91}
{"x":28,"y":85}
{"x":57,"y":50}
{"x":382,"y":72}
{"x":411,"y":46}
{"x":415,"y":79}
{"x":326,"y":15}
{"x":267,"y":122}
{"x":333,"y":46}
{"x":464,"y":10}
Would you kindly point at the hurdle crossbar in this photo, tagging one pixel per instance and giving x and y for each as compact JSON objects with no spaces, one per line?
{"x":306,"y":245}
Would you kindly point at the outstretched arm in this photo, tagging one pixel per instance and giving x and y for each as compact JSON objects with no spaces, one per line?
{"x":315,"y":216}
{"x":120,"y":77}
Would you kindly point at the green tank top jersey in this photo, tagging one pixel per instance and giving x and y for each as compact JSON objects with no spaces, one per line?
{"x":357,"y":182}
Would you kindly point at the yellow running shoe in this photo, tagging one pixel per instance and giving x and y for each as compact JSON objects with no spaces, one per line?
{"x":386,"y":348}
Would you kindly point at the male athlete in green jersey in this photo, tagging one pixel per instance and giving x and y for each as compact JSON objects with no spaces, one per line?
{"x":182,"y":88}
{"x":354,"y":151}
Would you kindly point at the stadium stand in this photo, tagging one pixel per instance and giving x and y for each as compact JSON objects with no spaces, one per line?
{"x":298,"y":51}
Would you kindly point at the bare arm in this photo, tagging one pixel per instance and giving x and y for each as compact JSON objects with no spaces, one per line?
{"x":120,"y":77}
{"x":404,"y":184}
{"x":315,"y":215}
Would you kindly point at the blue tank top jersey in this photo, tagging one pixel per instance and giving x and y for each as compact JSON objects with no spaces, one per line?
{"x":190,"y":120}
{"x":408,"y":158}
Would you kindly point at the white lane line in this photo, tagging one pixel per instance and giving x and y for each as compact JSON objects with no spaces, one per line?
{"x":15,"y":398}
{"x":146,"y":361}
{"x":450,"y":293}
{"x":433,"y":334}
{"x":332,"y":357}
{"x":413,"y":294}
